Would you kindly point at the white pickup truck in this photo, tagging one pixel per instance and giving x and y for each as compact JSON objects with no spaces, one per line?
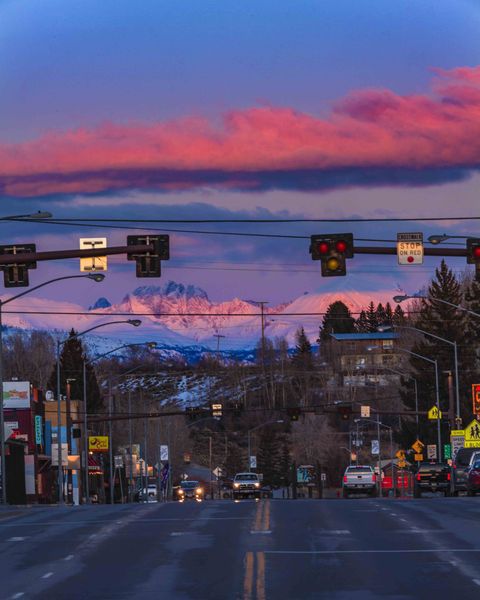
{"x":359,"y":479}
{"x":245,"y":485}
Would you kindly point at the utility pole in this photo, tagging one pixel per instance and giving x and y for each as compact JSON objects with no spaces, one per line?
{"x":69,"y":441}
{"x":218,"y":336}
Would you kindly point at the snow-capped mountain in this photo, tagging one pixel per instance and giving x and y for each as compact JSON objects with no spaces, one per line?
{"x":179,"y":316}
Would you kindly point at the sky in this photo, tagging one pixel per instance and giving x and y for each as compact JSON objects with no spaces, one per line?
{"x":240,"y":109}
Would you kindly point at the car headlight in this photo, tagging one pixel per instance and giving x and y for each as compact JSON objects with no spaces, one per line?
{"x":180,"y":492}
{"x":257,"y":484}
{"x":199,"y":491}
{"x":236,"y":485}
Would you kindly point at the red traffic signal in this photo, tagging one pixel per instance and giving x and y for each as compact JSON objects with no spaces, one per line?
{"x":473,"y":255}
{"x":332,"y":249}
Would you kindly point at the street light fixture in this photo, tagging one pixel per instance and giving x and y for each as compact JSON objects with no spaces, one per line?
{"x":455,"y":358}
{"x":93,"y":276}
{"x":135,"y":322}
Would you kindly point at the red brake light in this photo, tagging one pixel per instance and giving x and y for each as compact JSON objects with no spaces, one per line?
{"x":340,"y":246}
{"x":374,"y":478}
{"x":345,"y":479}
{"x":323,"y":247}
{"x":418,"y":477}
{"x":449,"y":477}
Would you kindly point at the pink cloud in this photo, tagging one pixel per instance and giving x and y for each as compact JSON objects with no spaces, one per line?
{"x":372,"y":128}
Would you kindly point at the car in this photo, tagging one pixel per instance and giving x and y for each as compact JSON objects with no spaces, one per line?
{"x":474,"y":458}
{"x":459,"y":469}
{"x":359,"y":479}
{"x":245,"y":485}
{"x":473,"y":479}
{"x":190,"y":490}
{"x":432,"y":477}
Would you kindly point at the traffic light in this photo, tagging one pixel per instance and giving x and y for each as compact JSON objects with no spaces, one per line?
{"x":148,"y":264}
{"x":16,"y":275}
{"x":345,"y":412}
{"x":294,"y":413}
{"x":473,"y":255}
{"x":332,"y":249}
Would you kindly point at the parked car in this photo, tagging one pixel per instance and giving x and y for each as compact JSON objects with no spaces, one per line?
{"x":473,"y":479}
{"x":190,"y":490}
{"x":432,"y":477}
{"x":149,"y":494}
{"x":359,"y":479}
{"x":245,"y":485}
{"x":460,"y":466}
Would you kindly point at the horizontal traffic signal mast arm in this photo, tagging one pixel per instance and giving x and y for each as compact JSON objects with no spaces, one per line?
{"x":427,"y":251}
{"x":30,"y":257}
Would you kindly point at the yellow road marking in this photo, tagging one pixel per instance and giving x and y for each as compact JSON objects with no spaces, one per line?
{"x":260,"y":576}
{"x":266,"y":520}
{"x":248,"y":579}
{"x":257,"y":526}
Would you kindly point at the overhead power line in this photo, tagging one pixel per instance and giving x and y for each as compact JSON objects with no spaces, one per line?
{"x":269,"y":220}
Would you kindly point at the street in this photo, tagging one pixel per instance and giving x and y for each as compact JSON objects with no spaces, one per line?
{"x":342,"y":549}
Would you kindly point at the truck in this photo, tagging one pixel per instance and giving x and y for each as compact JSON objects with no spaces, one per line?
{"x":432,"y":477}
{"x":359,"y":479}
{"x":245,"y":485}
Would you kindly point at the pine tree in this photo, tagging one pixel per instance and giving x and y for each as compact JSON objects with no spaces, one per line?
{"x":362,"y":324}
{"x":381,"y":314}
{"x":398,"y":316}
{"x":388,"y":314}
{"x":302,"y":357}
{"x":269,"y":457}
{"x":372,"y":320}
{"x":71,"y":367}
{"x":337,"y":319}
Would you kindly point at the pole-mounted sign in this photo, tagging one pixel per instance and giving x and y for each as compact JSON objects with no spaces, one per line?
{"x":410,"y":248}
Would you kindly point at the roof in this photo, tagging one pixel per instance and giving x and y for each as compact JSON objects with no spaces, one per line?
{"x":374,"y":335}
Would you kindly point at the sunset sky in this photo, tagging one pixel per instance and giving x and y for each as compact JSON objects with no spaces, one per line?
{"x":240,"y":109}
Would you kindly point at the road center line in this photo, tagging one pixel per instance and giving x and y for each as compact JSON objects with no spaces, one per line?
{"x":248,"y":579}
{"x":260,"y":576}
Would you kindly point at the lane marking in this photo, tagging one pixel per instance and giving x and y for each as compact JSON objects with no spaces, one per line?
{"x":47,"y":575}
{"x":248,"y":579}
{"x":333,"y":531}
{"x":266,"y":520}
{"x":18,"y":595}
{"x":477,"y":581}
{"x":69,"y":557}
{"x":260,"y":576}
{"x":261,"y":532}
{"x":424,"y":551}
{"x":16,"y":539}
{"x":177,"y":533}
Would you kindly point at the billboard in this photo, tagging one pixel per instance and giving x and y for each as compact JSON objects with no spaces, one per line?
{"x":16,"y":394}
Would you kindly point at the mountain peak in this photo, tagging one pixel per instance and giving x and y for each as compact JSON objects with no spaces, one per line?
{"x":172,"y":289}
{"x":100,"y":303}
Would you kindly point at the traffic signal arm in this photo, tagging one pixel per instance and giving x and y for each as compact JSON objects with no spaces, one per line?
{"x":31,"y":257}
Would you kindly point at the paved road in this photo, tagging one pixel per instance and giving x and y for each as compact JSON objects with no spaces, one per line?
{"x":275,"y":549}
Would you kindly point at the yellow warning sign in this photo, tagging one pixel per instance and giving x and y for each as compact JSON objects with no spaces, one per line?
{"x":98,"y":443}
{"x":434,"y":413}
{"x":472,"y":435}
{"x":400,"y":454}
{"x":418,"y":446}
{"x":419,"y":457}
{"x":401,"y":464}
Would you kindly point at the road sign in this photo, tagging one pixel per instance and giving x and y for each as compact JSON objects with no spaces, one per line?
{"x":365,"y":412}
{"x":98,"y":443}
{"x":94,"y":263}
{"x":253,"y":462}
{"x":447,"y":451}
{"x":400,"y":454}
{"x":375,"y":447}
{"x":218,"y":472}
{"x":163,"y":452}
{"x":118,"y":461}
{"x":216,"y":410}
{"x":472,"y":435}
{"x":410,"y":248}
{"x":432,"y":451}
{"x":418,"y":457}
{"x":434,"y":413}
{"x":418,"y":446}
{"x":476,"y":398}
{"x":401,"y":464}
{"x":457,"y":441}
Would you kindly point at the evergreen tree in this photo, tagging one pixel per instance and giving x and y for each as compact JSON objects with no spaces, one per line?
{"x":302,"y":357}
{"x":388,"y":313}
{"x":372,"y":320}
{"x":362,"y":324}
{"x":381,"y":314}
{"x":398,"y":316}
{"x":337,"y":319}
{"x":71,"y":367}
{"x":269,"y":457}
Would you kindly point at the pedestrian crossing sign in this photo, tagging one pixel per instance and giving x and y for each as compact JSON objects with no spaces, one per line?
{"x":417,"y":446}
{"x":472,"y":435}
{"x":434,"y":413}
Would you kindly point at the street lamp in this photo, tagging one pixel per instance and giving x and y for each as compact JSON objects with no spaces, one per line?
{"x":93,"y":276}
{"x":455,"y":358}
{"x":254,"y":429}
{"x":60,"y":343}
{"x":438,"y":239}
{"x":403,"y":297}
{"x":437,"y":394}
{"x":135,"y":323}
